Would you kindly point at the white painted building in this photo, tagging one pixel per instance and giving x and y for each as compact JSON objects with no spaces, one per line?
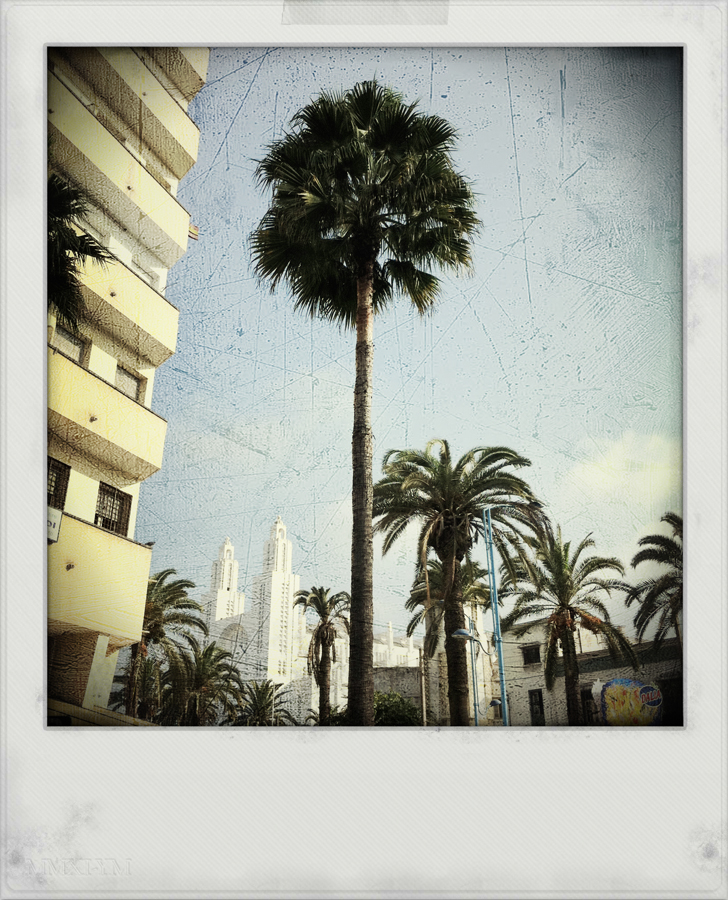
{"x":223,"y":600}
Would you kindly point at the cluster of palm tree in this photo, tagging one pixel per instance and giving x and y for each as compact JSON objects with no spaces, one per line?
{"x":547,"y":579}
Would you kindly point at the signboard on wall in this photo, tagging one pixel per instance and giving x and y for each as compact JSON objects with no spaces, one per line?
{"x":625,"y":701}
{"x":54,"y":524}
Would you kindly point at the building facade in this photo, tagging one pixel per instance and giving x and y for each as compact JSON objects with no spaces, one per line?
{"x":530,"y":703}
{"x":223,"y":600}
{"x":119,"y":130}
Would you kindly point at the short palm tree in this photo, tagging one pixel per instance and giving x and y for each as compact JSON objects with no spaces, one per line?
{"x":660,"y":597}
{"x":199,"y":685}
{"x":148,"y":688}
{"x":331,"y":613}
{"x":554,"y":579}
{"x":169,"y":616}
{"x":68,"y":249}
{"x":431,"y":584}
{"x":262,"y":704}
{"x":447,"y":499}
{"x":365,"y":202}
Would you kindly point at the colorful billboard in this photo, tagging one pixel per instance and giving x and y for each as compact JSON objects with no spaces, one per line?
{"x":624,"y":701}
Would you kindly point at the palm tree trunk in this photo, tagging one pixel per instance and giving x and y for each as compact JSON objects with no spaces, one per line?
{"x":130,"y":694}
{"x":324,"y":686}
{"x":456,"y":653}
{"x":361,"y":663}
{"x":571,"y":679}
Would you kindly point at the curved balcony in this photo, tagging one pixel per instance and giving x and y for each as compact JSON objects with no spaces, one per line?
{"x":126,"y":307}
{"x":97,"y":582}
{"x":129,"y":88}
{"x":113,"y":178}
{"x":101,"y":421}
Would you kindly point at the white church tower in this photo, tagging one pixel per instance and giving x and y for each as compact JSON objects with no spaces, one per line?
{"x":277,"y":630}
{"x":223,"y":600}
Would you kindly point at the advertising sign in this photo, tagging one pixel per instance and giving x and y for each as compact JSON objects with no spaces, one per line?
{"x":625,"y":701}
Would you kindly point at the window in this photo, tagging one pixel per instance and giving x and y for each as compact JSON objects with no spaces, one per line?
{"x":588,"y":707}
{"x":112,"y":509}
{"x":69,"y":344}
{"x":58,"y":473}
{"x":128,"y":384}
{"x":531,"y":654}
{"x":535,"y":705}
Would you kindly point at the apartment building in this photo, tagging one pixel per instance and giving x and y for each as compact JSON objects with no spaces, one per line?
{"x":118,"y":129}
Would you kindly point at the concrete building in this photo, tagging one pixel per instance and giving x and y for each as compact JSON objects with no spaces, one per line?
{"x":119,"y":130}
{"x":530,"y":703}
{"x":223,"y":600}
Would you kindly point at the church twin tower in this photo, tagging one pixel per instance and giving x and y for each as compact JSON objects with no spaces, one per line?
{"x":269,"y":640}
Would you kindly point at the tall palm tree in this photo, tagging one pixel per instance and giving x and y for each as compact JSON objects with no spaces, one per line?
{"x":199,"y":685}
{"x":365,"y":201}
{"x":554,"y":579}
{"x":331,"y":613}
{"x":430,"y":583}
{"x":660,"y":597}
{"x":68,"y":249}
{"x":262,"y":704}
{"x":169,"y":616}
{"x":448,"y":499}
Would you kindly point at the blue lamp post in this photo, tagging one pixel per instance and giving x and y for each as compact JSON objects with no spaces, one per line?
{"x":533,"y":506}
{"x":496,"y":616}
{"x":464,"y":635}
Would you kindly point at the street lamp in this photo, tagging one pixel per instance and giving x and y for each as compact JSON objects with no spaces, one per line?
{"x":463,"y":635}
{"x":488,"y":531}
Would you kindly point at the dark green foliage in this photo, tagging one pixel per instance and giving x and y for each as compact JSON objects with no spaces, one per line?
{"x":661,"y":597}
{"x":446,"y":499}
{"x":555,"y":581}
{"x":262,"y":703}
{"x":332,"y":616}
{"x":68,"y":249}
{"x":394,"y":709}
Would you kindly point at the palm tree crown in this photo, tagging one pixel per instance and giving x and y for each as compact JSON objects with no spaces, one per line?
{"x":199,"y":685}
{"x":447,"y":499}
{"x":332,"y":616}
{"x":430,"y":584}
{"x":169,"y":615}
{"x":365,"y":201}
{"x":553,"y":579}
{"x":68,"y":248}
{"x":660,"y":597}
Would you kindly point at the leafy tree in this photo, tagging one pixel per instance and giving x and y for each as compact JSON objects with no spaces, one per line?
{"x":331,"y":613}
{"x":170,"y":615}
{"x":448,"y":500}
{"x":431,"y":583}
{"x":68,"y":249}
{"x":554,"y":579}
{"x":660,"y":597}
{"x":365,"y":201}
{"x":394,"y":709}
{"x":199,"y":685}
{"x":262,"y":704}
{"x":337,"y":716}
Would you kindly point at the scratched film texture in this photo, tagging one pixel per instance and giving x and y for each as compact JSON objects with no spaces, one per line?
{"x":564,"y":344}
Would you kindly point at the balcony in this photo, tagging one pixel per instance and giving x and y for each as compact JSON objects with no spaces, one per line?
{"x":106,"y":425}
{"x":126,"y":307}
{"x":186,"y":67}
{"x":97,"y":581}
{"x":128,"y":87}
{"x":114,"y":179}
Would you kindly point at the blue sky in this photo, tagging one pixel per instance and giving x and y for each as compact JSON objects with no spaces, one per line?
{"x":565,"y":343}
